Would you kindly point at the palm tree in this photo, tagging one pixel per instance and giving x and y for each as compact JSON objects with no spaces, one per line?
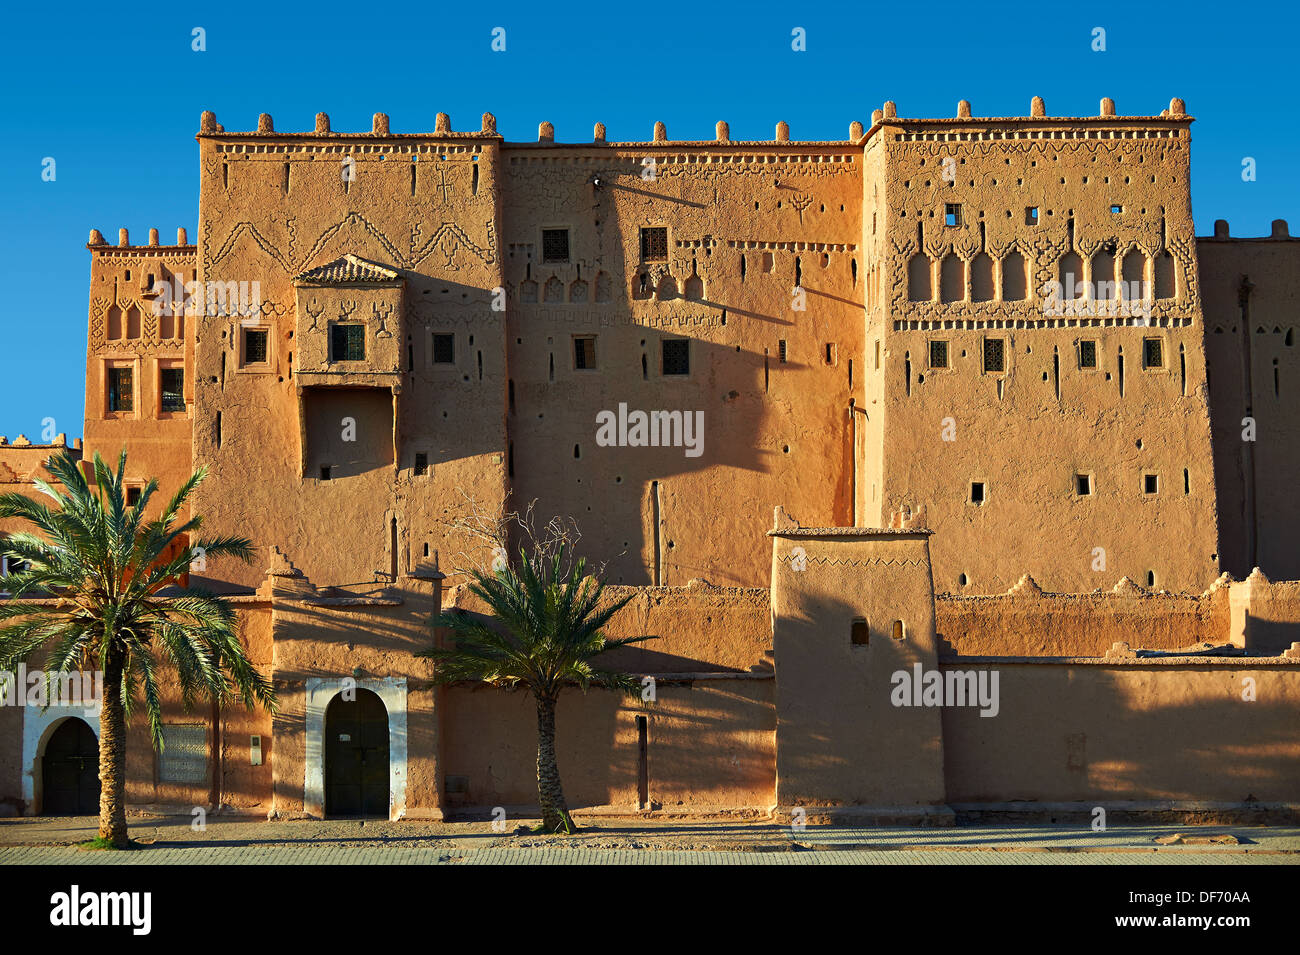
{"x":117,"y":607}
{"x":548,"y":631}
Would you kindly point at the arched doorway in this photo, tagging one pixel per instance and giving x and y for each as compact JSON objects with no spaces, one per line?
{"x":70,"y":771}
{"x":356,"y":756}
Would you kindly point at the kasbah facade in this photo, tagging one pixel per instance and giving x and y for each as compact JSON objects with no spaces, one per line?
{"x":966,"y":475}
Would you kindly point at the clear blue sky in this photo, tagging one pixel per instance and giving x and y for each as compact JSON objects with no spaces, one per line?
{"x":113,"y":93}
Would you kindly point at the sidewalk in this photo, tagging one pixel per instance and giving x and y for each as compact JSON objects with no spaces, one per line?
{"x":172,"y":841}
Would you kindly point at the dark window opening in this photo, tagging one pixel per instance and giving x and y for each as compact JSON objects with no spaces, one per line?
{"x":121,"y":389}
{"x":347,"y":343}
{"x":654,"y":244}
{"x":1153,"y":353}
{"x":677,"y":356}
{"x":938,"y":354}
{"x":584,"y":352}
{"x":444,"y":349}
{"x":1150,"y":483}
{"x":255,"y":346}
{"x":324,"y":472}
{"x":994,"y":354}
{"x":132,"y":496}
{"x":1083,"y":484}
{"x":171,"y":383}
{"x":1087,"y":354}
{"x":421,"y":464}
{"x":555,"y":245}
{"x":859,"y":635}
{"x":977,"y":492}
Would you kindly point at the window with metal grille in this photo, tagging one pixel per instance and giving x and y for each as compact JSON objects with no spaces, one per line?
{"x":1153,"y":355}
{"x":994,"y":354}
{"x":951,"y":213}
{"x":347,"y":343}
{"x":1087,"y":354}
{"x":254,"y":346}
{"x":132,"y":496}
{"x":444,"y":349}
{"x":584,"y":351}
{"x":677,"y":356}
{"x":184,"y":754}
{"x":780,"y":350}
{"x":121,"y":389}
{"x":555,"y":245}
{"x":938,"y":354}
{"x":421,"y":464}
{"x":654,"y":244}
{"x":171,"y":384}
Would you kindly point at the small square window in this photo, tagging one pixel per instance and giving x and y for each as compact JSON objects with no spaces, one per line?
{"x":995,"y":358}
{"x":347,"y":343}
{"x":1116,"y":209}
{"x":1083,"y":484}
{"x":1153,"y":353}
{"x":555,"y":245}
{"x":938,"y":354}
{"x":859,"y":635}
{"x":977,"y":492}
{"x":584,"y":352}
{"x":255,"y":345}
{"x":677,"y":356}
{"x":951,"y":213}
{"x":132,"y":496}
{"x":1031,"y":215}
{"x":1150,"y":484}
{"x":324,"y":472}
{"x":171,"y":385}
{"x":421,"y":464}
{"x":121,"y":389}
{"x":444,"y":349}
{"x":1087,"y":354}
{"x":654,"y":244}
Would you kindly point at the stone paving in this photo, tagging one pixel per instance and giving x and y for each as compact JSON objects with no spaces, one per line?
{"x":242,"y":841}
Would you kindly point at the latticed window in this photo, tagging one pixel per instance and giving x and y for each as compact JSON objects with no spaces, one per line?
{"x":938,"y":354}
{"x":677,"y":356}
{"x":444,"y":349}
{"x":994,"y":354}
{"x":1153,"y":355}
{"x":555,"y":245}
{"x":254,"y":346}
{"x":121,"y":389}
{"x":654,"y":244}
{"x":1087,"y":354}
{"x":348,"y":342}
{"x":171,"y":383}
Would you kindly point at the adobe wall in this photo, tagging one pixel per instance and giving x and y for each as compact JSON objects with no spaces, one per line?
{"x":1113,"y":203}
{"x":851,"y":607}
{"x":141,"y":319}
{"x":710,"y":747}
{"x":1028,"y":622}
{"x":1093,"y":732}
{"x":21,"y":463}
{"x":760,"y":277}
{"x":425,"y":209}
{"x":1265,"y":614}
{"x":1251,"y":288}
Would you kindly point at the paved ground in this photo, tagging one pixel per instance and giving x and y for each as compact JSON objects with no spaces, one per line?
{"x":173,"y":841}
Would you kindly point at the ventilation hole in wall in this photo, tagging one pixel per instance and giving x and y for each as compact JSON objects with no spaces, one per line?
{"x":645,"y":368}
{"x":742,"y":268}
{"x":218,"y":430}
{"x":907,"y":371}
{"x":510,"y":457}
{"x":473,"y":183}
{"x":853,"y":268}
{"x":785,"y":449}
{"x":325,"y":472}
{"x":618,"y":479}
{"x":577,"y":451}
{"x":1139,"y":444}
{"x":551,"y":373}
{"x":413,"y":168}
{"x":286,"y":177}
{"x":766,"y":371}
{"x":724,"y":316}
{"x":1187,"y":482}
{"x":480,"y":366}
{"x":1120,"y":369}
{"x":426,"y":548}
{"x":963,"y":580}
{"x":225,"y":183}
{"x":1277,"y":386}
{"x":1151,"y":578}
{"x":798,"y":272}
{"x":850,"y":374}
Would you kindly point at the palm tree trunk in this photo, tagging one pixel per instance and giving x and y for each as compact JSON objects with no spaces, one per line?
{"x":112,"y":756}
{"x":550,"y":794}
